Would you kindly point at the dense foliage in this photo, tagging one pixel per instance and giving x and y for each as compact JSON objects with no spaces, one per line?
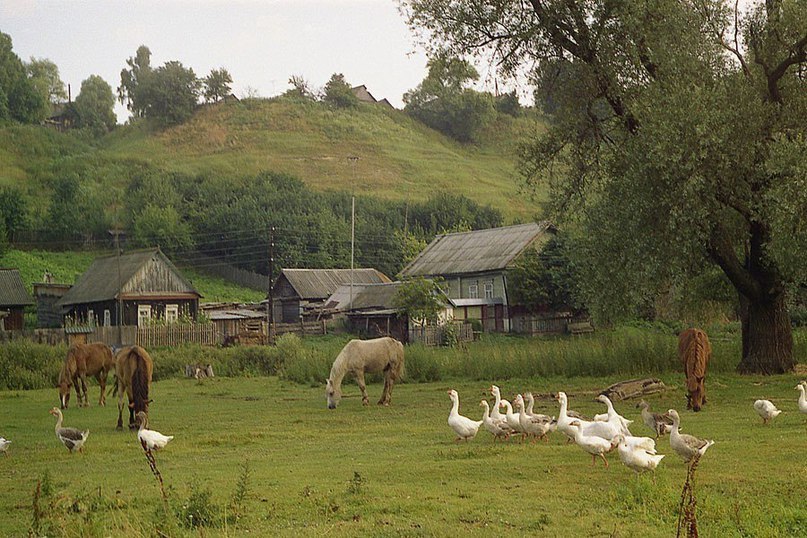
{"x":677,"y":141}
{"x":445,"y":103}
{"x":337,"y":92}
{"x":95,"y":105}
{"x":22,"y":98}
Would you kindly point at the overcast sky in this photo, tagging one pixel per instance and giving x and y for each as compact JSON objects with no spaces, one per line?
{"x":260,"y":42}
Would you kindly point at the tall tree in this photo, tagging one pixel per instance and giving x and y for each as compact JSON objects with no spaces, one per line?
{"x":681,"y":136}
{"x":133,"y":81}
{"x":445,"y":103}
{"x":44,"y":75}
{"x":19,"y":99}
{"x":338,"y":92}
{"x":217,"y":85}
{"x":171,"y":93}
{"x":95,"y":105}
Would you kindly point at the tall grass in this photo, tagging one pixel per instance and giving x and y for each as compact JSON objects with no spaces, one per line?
{"x":624,"y":351}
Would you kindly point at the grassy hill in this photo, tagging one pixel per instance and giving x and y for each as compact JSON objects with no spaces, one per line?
{"x":398,"y":158}
{"x":67,"y":266}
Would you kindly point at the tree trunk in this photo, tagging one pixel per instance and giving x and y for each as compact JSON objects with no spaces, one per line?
{"x":767,"y":336}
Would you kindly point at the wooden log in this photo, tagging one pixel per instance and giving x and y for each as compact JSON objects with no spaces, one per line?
{"x":634,"y":388}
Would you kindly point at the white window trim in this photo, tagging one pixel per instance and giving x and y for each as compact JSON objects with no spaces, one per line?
{"x":473,"y":291}
{"x":107,"y":318}
{"x":489,"y":290}
{"x":171,"y":313}
{"x":143,"y":313}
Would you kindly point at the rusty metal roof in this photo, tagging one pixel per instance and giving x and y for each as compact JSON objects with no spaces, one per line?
{"x":100,"y":281}
{"x":12,"y":290}
{"x":476,"y":251}
{"x":321,"y":283}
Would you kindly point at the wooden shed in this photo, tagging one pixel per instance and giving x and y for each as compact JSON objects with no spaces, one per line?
{"x":146,"y":281}
{"x":13,"y":300}
{"x":301,"y":293}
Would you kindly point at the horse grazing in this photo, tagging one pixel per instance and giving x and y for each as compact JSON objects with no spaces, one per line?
{"x":694,"y":351}
{"x":359,"y":356}
{"x":133,"y":368}
{"x":83,"y":360}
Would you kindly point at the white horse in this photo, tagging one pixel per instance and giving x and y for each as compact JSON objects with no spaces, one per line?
{"x":359,"y":356}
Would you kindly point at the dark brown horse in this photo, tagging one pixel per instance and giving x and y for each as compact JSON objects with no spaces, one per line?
{"x":694,"y":351}
{"x":133,"y":368}
{"x":83,"y":360}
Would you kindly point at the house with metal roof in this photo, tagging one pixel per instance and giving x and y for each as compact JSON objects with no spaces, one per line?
{"x":301,"y":293}
{"x":146,"y":282}
{"x":474,"y":266}
{"x":13,"y":300}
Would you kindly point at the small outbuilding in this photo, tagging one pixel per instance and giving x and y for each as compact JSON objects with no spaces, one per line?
{"x":302,"y":293}
{"x":13,"y":300}
{"x":149,"y":286}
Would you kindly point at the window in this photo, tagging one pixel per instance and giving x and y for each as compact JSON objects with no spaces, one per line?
{"x":143,"y":314}
{"x":473,"y":291}
{"x":171,"y":313}
{"x":91,"y":318}
{"x":107,"y":318}
{"x":489,"y":290}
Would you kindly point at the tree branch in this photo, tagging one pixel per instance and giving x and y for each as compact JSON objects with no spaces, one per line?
{"x":722,"y":252}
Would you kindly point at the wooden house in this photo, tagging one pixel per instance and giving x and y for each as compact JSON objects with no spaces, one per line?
{"x":302,"y":293}
{"x":474,"y":266}
{"x":13,"y":300}
{"x":48,"y":313}
{"x":149,"y":285}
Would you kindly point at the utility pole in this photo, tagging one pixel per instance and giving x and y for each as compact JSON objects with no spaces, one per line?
{"x":270,"y":302}
{"x":352,"y":240}
{"x":116,"y":233}
{"x":353,"y":160}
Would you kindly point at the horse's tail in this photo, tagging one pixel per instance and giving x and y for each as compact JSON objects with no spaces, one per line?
{"x":399,"y":368}
{"x":140,"y":382}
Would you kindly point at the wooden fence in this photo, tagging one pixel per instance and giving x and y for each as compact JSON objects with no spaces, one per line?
{"x":176,"y":334}
{"x":533,"y":325}
{"x":300,"y":329}
{"x":438,"y":335}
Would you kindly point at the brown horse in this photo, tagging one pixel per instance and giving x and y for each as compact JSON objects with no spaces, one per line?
{"x":133,"y":368}
{"x":694,"y":351}
{"x":83,"y":360}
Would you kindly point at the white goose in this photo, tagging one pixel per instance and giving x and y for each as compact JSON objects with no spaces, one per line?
{"x":686,"y":446}
{"x":73,"y":439}
{"x":802,"y":387}
{"x":596,"y":446}
{"x":512,"y":418}
{"x":499,"y":428}
{"x":659,"y":423}
{"x":531,"y":425}
{"x":464,"y":427}
{"x":613,"y":417}
{"x":4,"y":445}
{"x":766,"y":410}
{"x":150,"y":439}
{"x":636,"y":456}
{"x":529,"y":399}
{"x":564,"y":420}
{"x":495,"y":414}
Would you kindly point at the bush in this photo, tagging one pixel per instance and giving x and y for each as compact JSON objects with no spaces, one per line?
{"x":25,"y":365}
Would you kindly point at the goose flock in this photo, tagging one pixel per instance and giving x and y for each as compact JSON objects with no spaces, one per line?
{"x":598,"y":436}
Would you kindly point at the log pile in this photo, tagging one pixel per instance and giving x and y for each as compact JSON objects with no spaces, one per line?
{"x":634,"y":388}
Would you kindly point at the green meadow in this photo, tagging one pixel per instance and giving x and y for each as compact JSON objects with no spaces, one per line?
{"x":262,"y":456}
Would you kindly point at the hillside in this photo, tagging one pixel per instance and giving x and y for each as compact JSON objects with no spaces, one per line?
{"x":398,"y":158}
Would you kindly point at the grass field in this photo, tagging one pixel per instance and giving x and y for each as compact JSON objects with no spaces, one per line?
{"x":393,"y":471}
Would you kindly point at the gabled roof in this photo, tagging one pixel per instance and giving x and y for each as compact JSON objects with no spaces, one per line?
{"x":476,"y":251}
{"x":369,"y":296}
{"x":100,"y":281}
{"x":12,"y":290}
{"x":321,"y":283}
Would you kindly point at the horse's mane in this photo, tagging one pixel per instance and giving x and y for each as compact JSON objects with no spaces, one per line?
{"x":339,"y":367}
